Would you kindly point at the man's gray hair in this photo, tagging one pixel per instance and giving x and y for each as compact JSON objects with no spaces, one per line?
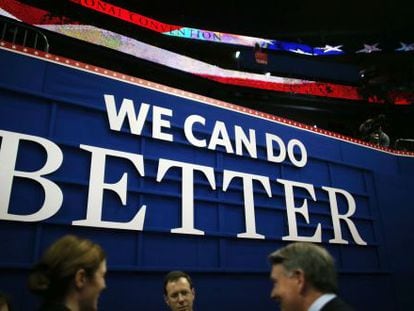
{"x":315,"y":261}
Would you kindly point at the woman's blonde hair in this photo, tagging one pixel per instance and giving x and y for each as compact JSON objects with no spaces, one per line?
{"x":51,"y":277}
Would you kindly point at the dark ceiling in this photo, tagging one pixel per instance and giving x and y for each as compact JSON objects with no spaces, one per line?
{"x":350,"y":23}
{"x":283,"y":19}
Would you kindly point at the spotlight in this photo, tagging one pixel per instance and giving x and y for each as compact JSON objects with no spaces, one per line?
{"x":237,"y":54}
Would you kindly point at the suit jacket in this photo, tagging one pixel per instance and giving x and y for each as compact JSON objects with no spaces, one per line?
{"x":53,"y":307}
{"x":337,"y":304}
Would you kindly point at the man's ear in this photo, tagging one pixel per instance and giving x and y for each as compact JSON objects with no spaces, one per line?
{"x":80,"y":278}
{"x":193,"y":291}
{"x":166,"y":300}
{"x":300,"y":278}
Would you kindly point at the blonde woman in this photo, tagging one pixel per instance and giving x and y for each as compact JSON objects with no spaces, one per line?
{"x":70,"y":275}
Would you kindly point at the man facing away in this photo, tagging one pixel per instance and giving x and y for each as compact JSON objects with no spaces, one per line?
{"x":304,"y":279}
{"x":179,"y":292}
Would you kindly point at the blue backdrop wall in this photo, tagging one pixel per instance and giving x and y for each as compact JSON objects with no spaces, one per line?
{"x":165,"y":179}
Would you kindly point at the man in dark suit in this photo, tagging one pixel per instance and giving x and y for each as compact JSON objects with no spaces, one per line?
{"x":304,"y":279}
